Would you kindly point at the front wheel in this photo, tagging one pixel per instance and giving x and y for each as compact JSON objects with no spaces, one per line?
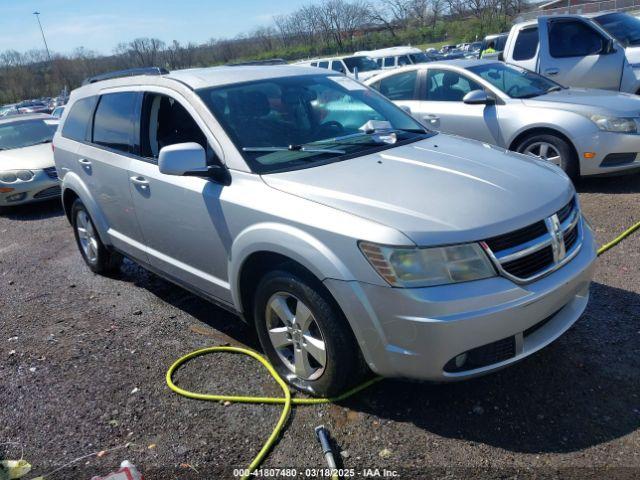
{"x":554,"y":149}
{"x":304,"y":334}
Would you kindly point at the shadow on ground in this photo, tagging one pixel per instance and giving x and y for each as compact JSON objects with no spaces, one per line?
{"x":579,"y":392}
{"x":616,"y":184}
{"x":33,"y":211}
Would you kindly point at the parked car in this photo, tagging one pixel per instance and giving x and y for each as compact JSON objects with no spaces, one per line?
{"x":9,"y":110}
{"x":353,"y":66}
{"x":492,"y":47}
{"x":599,"y":51}
{"x":395,"y":57}
{"x":586,"y":132}
{"x":27,"y":170}
{"x":328,"y":218}
{"x":57,"y":112}
{"x":33,"y":107}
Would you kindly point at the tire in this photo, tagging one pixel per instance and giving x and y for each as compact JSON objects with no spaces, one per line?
{"x":567,"y":161}
{"x":97,"y":257}
{"x":343,"y":366}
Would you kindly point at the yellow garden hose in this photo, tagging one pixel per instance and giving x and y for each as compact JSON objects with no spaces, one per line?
{"x":286,"y":399}
{"x":618,"y":239}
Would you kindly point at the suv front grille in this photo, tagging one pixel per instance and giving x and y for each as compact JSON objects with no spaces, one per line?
{"x":51,"y":172}
{"x":528,"y":253}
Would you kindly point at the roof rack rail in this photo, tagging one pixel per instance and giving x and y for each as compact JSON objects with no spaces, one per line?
{"x":270,"y":61}
{"x":131,"y":72}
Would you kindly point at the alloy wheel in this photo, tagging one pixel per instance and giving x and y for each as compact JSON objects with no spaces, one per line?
{"x":87,"y":236}
{"x":544,"y":151}
{"x":295,"y":335}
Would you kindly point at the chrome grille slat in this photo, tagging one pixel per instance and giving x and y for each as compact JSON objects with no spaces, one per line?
{"x":536,"y":256}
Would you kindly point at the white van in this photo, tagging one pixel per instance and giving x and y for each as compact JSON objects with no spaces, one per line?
{"x":354,"y":66}
{"x":394,"y":57}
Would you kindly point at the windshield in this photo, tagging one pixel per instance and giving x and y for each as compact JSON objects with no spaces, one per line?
{"x":515,"y":82}
{"x":26,"y":133}
{"x":364,"y":64}
{"x":625,"y":28}
{"x":298,"y":122}
{"x":418,"y":57}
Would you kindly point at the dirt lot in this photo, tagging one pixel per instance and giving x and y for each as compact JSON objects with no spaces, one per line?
{"x":83,"y":359}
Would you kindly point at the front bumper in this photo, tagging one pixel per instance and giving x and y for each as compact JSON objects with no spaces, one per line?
{"x":40,"y":188}
{"x":607,"y":146}
{"x":415,"y":332}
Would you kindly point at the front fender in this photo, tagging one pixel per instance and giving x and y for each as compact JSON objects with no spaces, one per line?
{"x":290,"y":242}
{"x":71,"y":181}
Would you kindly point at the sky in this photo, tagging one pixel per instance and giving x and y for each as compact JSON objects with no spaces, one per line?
{"x":101,"y":25}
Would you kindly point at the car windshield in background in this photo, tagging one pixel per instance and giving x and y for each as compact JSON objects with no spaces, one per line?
{"x":363,"y":64}
{"x":297,"y":122}
{"x":625,"y":28}
{"x":515,"y":82}
{"x":26,"y":133}
{"x":419,"y":58}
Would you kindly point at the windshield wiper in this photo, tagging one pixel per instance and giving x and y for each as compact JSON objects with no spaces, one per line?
{"x":555,"y":88}
{"x":293,"y":148}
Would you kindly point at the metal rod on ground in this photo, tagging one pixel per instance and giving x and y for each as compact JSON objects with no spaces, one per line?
{"x":323,"y":437}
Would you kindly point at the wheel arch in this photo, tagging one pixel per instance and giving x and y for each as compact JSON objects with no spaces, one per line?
{"x":265,"y":246}
{"x":542,"y":130}
{"x":73,"y":188}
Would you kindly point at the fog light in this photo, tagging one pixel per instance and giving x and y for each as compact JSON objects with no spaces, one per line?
{"x":16,"y":197}
{"x":461,"y":360}
{"x":589,"y":154}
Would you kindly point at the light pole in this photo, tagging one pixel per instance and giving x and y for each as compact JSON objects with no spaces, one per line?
{"x":37,"y":14}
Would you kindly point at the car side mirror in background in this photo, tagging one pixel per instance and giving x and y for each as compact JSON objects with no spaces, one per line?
{"x":478,"y":97}
{"x":406,"y":108}
{"x":190,"y":159}
{"x":609,"y":46}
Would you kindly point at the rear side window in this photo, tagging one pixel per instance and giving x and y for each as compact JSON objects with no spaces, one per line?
{"x":337,"y":66}
{"x":526,"y":44}
{"x":79,"y":118}
{"x":113,"y":123}
{"x":389,"y":61}
{"x":571,"y":38}
{"x":400,"y":86}
{"x":323,"y":64}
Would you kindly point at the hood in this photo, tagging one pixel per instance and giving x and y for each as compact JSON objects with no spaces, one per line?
{"x":35,"y":157}
{"x":438,"y":191}
{"x":583,"y":100}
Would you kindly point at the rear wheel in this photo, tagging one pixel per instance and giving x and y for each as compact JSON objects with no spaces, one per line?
{"x":97,"y":257}
{"x":304,"y":334}
{"x":554,"y":149}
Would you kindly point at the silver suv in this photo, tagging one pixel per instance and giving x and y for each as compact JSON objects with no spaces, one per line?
{"x":326,"y":216}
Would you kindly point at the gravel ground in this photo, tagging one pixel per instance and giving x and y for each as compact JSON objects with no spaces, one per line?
{"x":83,"y":359}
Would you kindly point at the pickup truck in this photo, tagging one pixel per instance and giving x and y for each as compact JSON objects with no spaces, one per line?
{"x":601,"y":50}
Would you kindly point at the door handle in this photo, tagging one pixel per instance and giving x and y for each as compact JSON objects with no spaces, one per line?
{"x":552,"y":71}
{"x":84,"y":162}
{"x":432,"y":119}
{"x":140,"y":181}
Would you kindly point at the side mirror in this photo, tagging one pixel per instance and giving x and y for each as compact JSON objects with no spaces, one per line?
{"x":478,"y":97}
{"x":609,"y":46}
{"x":182,"y":158}
{"x":406,"y":108}
{"x":190,"y":160}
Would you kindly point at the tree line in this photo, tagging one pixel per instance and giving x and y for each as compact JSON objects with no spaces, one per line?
{"x":323,"y":28}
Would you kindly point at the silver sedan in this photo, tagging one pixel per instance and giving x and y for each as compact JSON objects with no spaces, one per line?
{"x":586,"y":132}
{"x":27,"y":171}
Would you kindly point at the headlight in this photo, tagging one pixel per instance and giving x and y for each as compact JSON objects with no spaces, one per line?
{"x":426,"y":267}
{"x":615,"y":124}
{"x":13,"y":176}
